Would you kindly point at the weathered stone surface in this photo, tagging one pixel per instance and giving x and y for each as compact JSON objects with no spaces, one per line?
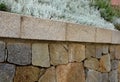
{"x":105,"y":49}
{"x":58,"y":53}
{"x":114,"y":64}
{"x":105,"y":77}
{"x":81,"y":33}
{"x":92,"y":63}
{"x":113,"y":76}
{"x":105,"y":64}
{"x":36,"y":28}
{"x":27,"y":74}
{"x":112,"y":51}
{"x":9,"y":25}
{"x":119,"y":67}
{"x":90,"y":50}
{"x":49,"y":76}
{"x":116,"y":37}
{"x":103,"y":32}
{"x":99,"y":50}
{"x":72,"y":72}
{"x":117,"y":52}
{"x":7,"y":72}
{"x":19,"y":53}
{"x":76,"y":52}
{"x":2,"y":51}
{"x":40,"y":55}
{"x":93,"y":76}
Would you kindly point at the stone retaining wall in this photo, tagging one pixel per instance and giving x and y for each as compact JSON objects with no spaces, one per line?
{"x":40,"y":50}
{"x":43,"y":61}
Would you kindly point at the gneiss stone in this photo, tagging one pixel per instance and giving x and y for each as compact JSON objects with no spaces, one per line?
{"x":76,"y":52}
{"x":117,"y":52}
{"x":99,"y":50}
{"x":27,"y":74}
{"x":7,"y":72}
{"x":92,"y":63}
{"x":93,"y":76}
{"x":105,"y":77}
{"x":40,"y":55}
{"x":72,"y":72}
{"x":114,"y":64}
{"x":112,"y":51}
{"x":105,"y":64}
{"x":2,"y":51}
{"x":49,"y":75}
{"x":90,"y":50}
{"x":58,"y":53}
{"x":19,"y":53}
{"x":105,"y":49}
{"x":113,"y":76}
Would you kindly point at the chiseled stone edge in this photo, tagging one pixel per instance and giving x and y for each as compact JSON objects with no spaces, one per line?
{"x":95,"y":35}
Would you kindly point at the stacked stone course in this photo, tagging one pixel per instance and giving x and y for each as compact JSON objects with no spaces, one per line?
{"x":58,"y":62}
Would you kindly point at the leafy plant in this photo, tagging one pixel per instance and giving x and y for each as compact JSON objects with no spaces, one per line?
{"x":106,"y":9}
{"x":3,"y":7}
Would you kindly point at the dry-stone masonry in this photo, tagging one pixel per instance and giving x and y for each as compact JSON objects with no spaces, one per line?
{"x":48,"y":61}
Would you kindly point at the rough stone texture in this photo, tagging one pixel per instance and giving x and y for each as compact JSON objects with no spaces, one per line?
{"x":112,"y":51}
{"x":117,"y":52}
{"x":119,"y":67}
{"x":92,"y":63}
{"x":27,"y":74}
{"x":76,"y":52}
{"x":105,"y":64}
{"x":58,"y":53}
{"x":40,"y":54}
{"x":49,"y":76}
{"x":114,"y":64}
{"x":113,"y":76}
{"x":105,"y":77}
{"x":76,"y":32}
{"x":115,"y":37}
{"x":90,"y":50}
{"x":19,"y":53}
{"x":103,"y":32}
{"x":93,"y":76}
{"x":105,"y":49}
{"x":36,"y":28}
{"x":72,"y":72}
{"x":2,"y":51}
{"x":7,"y":72}
{"x":99,"y":50}
{"x":9,"y":25}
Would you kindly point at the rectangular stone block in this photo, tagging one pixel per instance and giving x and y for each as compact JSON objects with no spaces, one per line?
{"x":81,"y":33}
{"x":103,"y":35}
{"x":116,"y":37}
{"x":58,"y":53}
{"x":40,"y":55}
{"x":90,"y":50}
{"x":34,"y":28}
{"x":9,"y":25}
{"x":76,"y":52}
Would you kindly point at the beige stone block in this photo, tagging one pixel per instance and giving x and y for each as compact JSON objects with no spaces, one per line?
{"x":105,"y":63}
{"x":76,"y":52}
{"x":92,"y":63}
{"x":48,"y":76}
{"x":117,"y":52}
{"x":40,"y":54}
{"x":72,"y":72}
{"x":27,"y":74}
{"x":80,"y":33}
{"x":58,"y":53}
{"x":103,"y":35}
{"x":116,"y":37}
{"x":36,"y":28}
{"x":9,"y":25}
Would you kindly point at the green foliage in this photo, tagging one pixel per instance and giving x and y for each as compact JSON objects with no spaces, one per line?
{"x":3,"y":7}
{"x":106,"y":10}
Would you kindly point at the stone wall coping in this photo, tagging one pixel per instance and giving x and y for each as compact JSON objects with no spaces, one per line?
{"x":28,"y":27}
